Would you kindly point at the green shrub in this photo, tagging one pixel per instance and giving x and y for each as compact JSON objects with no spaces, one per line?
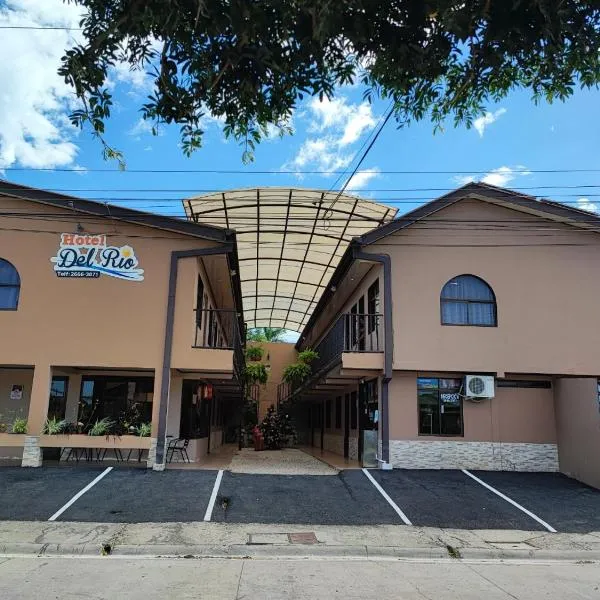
{"x":307,"y":356}
{"x":296,"y":373}
{"x":101,"y":427}
{"x":144,"y":430}
{"x":19,"y":426}
{"x":54,"y":426}
{"x":254,"y":353}
{"x":256,"y":373}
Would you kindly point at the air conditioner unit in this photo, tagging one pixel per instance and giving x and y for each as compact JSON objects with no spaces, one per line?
{"x":479,"y":386}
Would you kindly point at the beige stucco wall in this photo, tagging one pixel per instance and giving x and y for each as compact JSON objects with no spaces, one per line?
{"x":100,"y":322}
{"x":578,"y":428}
{"x":278,"y":355}
{"x":103,"y":322}
{"x":515,"y":415}
{"x":546,"y":293}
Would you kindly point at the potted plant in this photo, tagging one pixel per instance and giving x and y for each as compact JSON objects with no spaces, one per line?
{"x":254,"y":353}
{"x":144,"y":430}
{"x":307,"y":356}
{"x":296,"y":373}
{"x":19,"y":425}
{"x":54,"y":426}
{"x":101,"y":427}
{"x":256,"y":373}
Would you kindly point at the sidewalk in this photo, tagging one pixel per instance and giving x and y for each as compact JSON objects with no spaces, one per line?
{"x":228,"y":540}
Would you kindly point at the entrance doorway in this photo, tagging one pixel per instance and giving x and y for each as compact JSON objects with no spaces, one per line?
{"x":368,"y":404}
{"x":195,"y":410}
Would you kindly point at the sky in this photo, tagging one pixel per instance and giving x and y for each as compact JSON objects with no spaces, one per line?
{"x":508,"y":146}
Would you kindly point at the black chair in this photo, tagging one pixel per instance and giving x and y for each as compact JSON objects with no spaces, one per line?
{"x":180,"y":446}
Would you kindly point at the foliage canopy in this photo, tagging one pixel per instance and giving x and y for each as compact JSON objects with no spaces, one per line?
{"x":249,"y":63}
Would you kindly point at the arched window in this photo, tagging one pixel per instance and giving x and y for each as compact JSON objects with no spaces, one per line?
{"x":468,"y":300}
{"x":10,"y":285}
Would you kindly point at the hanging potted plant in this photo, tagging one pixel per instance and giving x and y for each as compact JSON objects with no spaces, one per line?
{"x":254,"y":353}
{"x":256,"y":373}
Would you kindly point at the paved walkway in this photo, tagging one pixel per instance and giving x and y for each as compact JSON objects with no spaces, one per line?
{"x":262,"y":540}
{"x":278,"y":462}
{"x":300,"y":579}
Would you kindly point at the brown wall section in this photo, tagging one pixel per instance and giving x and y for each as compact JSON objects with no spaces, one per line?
{"x":546,"y":293}
{"x":578,"y":427}
{"x":514,"y":415}
{"x":278,"y":355}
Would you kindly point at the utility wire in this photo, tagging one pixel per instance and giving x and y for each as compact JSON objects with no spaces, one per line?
{"x":290,"y":172}
{"x":226,"y":190}
{"x":41,"y":27}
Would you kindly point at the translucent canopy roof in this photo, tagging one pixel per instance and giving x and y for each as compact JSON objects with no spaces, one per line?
{"x":290,"y":240}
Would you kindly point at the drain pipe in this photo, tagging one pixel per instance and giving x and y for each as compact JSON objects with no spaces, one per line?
{"x":165,"y":384}
{"x":385,"y":261}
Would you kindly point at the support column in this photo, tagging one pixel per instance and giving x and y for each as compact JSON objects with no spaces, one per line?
{"x":38,"y":412}
{"x":156,"y":455}
{"x":73,"y":394}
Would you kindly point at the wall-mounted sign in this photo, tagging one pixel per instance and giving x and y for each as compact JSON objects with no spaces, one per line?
{"x":83,"y":255}
{"x":16,"y":392}
{"x":450,"y":398}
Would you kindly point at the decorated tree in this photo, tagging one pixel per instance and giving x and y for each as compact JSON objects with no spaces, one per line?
{"x":249,"y":63}
{"x":277,"y":428}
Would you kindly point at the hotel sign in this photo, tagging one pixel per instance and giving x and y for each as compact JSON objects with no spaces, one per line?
{"x":90,"y":256}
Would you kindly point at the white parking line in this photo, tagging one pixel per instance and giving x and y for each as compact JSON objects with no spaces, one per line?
{"x":213,"y":496}
{"x":510,"y":501}
{"x":385,"y":495}
{"x":78,"y":495}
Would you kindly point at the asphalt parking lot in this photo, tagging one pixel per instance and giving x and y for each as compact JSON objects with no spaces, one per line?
{"x":448,"y":499}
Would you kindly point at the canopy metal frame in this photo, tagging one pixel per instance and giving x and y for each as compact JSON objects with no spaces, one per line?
{"x":282,"y":233}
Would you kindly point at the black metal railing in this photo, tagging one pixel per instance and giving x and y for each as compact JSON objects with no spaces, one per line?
{"x":363,"y":332}
{"x":351,"y":332}
{"x":284,"y":391}
{"x":216,"y":328}
{"x":221,"y":329}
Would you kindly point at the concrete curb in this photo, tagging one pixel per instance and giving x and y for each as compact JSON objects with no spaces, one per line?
{"x":279,"y":552}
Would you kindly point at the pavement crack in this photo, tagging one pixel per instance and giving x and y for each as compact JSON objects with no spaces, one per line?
{"x":496,"y":585}
{"x":237,"y":592}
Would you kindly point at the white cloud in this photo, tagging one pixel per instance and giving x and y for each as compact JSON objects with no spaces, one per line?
{"x":486,"y":120}
{"x":500,"y":177}
{"x":141,"y":127}
{"x":360,"y":180}
{"x":349,"y":119}
{"x":33,"y":98}
{"x":335,"y":126}
{"x":321,"y":153}
{"x":585,"y":204}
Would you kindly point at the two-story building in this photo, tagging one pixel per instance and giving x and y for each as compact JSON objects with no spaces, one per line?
{"x":481,"y":282}
{"x":121,"y":330}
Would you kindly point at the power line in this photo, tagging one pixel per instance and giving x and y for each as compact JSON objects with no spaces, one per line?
{"x":221,"y":190}
{"x":41,"y":27}
{"x":273,"y":202}
{"x":395,"y":243}
{"x":292,"y":172}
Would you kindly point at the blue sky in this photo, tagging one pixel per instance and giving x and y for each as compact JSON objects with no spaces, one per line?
{"x":515,"y":137}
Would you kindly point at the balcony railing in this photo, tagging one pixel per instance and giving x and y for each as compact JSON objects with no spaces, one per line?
{"x":363,"y":333}
{"x":351,"y":332}
{"x":284,"y":391}
{"x":220,"y":329}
